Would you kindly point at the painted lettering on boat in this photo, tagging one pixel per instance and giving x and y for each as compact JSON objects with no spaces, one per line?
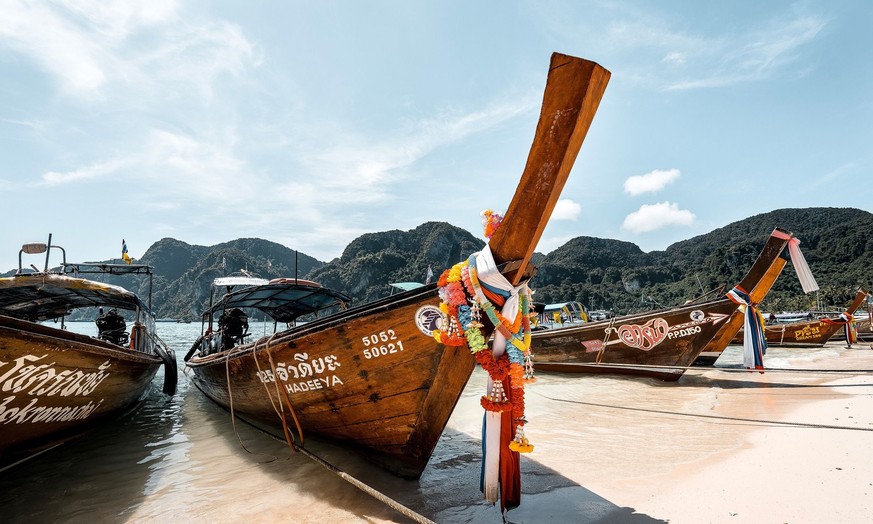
{"x":296,"y":376}
{"x":312,"y":385}
{"x":31,"y":413}
{"x":24,"y":376}
{"x":807,"y":333}
{"x":693,"y":330}
{"x":44,"y":380}
{"x":647,"y":336}
{"x":381,"y":343}
{"x":644,"y":336}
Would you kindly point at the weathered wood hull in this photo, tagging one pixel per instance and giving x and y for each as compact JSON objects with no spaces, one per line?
{"x":810,"y":333}
{"x":56,"y":385}
{"x":370,"y":377}
{"x":374,"y":377}
{"x":659,"y":345}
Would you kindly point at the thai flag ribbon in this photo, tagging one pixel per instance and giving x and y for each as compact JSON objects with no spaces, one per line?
{"x":754,"y":341}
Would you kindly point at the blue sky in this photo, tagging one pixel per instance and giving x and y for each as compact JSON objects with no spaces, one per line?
{"x":311,"y":123}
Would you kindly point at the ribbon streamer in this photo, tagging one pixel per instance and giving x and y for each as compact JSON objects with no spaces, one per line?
{"x":807,"y":281}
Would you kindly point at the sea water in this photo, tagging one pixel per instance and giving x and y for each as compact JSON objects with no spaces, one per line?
{"x":183,"y":459}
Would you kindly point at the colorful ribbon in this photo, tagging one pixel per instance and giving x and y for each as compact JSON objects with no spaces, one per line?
{"x":754,"y":342}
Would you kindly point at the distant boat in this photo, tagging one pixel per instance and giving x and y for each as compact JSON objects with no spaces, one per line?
{"x":56,"y":384}
{"x":662,"y":343}
{"x":563,"y":313}
{"x":373,"y":377}
{"x":810,"y":329}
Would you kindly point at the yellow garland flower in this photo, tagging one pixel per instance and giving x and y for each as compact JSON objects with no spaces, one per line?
{"x":521,"y":447}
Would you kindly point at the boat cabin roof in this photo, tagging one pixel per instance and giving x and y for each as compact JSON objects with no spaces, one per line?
{"x":284,"y":301}
{"x":43,"y":296}
{"x":234,"y":281}
{"x":406,"y":286}
{"x":562,"y":305}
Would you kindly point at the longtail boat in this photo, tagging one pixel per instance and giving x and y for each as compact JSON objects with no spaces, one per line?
{"x":373,"y":376}
{"x":815,"y":332}
{"x":663,"y":343}
{"x":865,"y":325}
{"x":56,"y":385}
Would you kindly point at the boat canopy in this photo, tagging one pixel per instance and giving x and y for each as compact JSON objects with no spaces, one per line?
{"x":406,"y":286}
{"x":43,"y":296}
{"x":234,"y":281}
{"x":283,"y":301}
{"x":106,"y":268}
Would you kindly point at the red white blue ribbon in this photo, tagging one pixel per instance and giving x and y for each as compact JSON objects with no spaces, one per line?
{"x":754,"y":342}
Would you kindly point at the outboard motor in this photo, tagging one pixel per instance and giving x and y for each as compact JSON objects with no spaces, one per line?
{"x":111,"y":327}
{"x":234,"y":325}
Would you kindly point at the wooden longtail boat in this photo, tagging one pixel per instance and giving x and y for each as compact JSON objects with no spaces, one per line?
{"x":865,"y":325}
{"x":55,"y":384}
{"x":659,"y":344}
{"x":814,"y":332}
{"x":373,"y":377}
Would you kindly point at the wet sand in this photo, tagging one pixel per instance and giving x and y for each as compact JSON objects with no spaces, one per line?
{"x":727,"y":446}
{"x":720,"y":445}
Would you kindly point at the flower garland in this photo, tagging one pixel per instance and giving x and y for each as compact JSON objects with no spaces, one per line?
{"x":490,"y":221}
{"x":462,"y":301}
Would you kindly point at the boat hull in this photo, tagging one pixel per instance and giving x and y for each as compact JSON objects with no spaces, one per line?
{"x":813,"y":333}
{"x":56,"y":385}
{"x":372,"y":376}
{"x":660,"y":345}
{"x":809,"y":333}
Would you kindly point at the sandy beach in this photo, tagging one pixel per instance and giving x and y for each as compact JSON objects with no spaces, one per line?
{"x":720,"y":445}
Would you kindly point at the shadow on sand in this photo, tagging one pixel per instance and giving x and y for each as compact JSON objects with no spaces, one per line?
{"x":448,"y":490}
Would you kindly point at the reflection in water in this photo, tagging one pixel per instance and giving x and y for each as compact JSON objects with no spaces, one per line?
{"x":180,"y":458}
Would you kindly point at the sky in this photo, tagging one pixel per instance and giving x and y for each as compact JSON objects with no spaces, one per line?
{"x":312,"y":123}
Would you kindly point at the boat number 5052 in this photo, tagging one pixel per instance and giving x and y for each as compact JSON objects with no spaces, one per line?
{"x":381,"y":343}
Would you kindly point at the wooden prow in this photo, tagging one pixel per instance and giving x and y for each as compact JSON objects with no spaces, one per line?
{"x":860,"y":298}
{"x":573,"y":92}
{"x":757,"y":283}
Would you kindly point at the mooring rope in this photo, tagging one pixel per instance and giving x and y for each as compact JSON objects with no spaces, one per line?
{"x":701,"y":415}
{"x":369,"y":490}
{"x":289,"y":438}
{"x":692,"y":367}
{"x":230,"y":401}
{"x":606,"y":334}
{"x":790,"y":370}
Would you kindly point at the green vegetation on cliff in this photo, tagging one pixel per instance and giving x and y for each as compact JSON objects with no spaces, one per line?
{"x":601,"y":273}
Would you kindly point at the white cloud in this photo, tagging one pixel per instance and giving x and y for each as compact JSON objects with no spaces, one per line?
{"x":651,"y":217}
{"x":56,"y":43}
{"x":549,"y":243}
{"x":566,"y":209}
{"x":651,"y":182}
{"x":675,"y":57}
{"x":141,"y":48}
{"x":363,"y":169}
{"x":181,"y":167}
{"x":658,"y":50}
{"x":752,"y":56}
{"x":94,"y":171}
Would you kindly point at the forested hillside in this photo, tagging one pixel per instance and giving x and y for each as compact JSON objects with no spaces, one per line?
{"x":601,"y":273}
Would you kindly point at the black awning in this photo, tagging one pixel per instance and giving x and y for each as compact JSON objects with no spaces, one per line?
{"x":284,"y":302}
{"x":37,"y":297}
